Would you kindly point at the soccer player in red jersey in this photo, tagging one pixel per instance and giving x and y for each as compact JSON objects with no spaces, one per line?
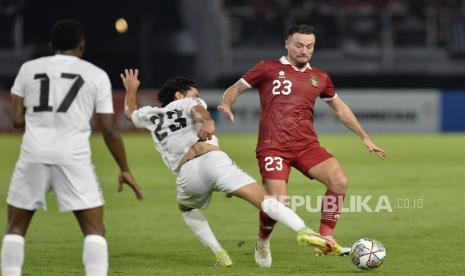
{"x":288,"y":89}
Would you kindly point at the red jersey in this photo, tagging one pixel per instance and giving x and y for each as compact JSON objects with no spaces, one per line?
{"x":287,"y":100}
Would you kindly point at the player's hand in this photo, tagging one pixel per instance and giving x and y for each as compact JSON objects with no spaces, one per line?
{"x":130,"y":80}
{"x":126,"y":177}
{"x":372,"y":147}
{"x":226,"y":109}
{"x":207,"y":130}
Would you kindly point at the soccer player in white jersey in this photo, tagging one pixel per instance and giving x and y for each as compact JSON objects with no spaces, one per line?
{"x":54,"y":98}
{"x":183,"y":133}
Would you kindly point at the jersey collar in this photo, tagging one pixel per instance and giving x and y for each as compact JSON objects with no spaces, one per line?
{"x":61,"y":56}
{"x":284,"y":60}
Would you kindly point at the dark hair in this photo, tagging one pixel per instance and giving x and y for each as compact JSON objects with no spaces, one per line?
{"x":301,"y":29}
{"x":66,"y":34}
{"x":170,"y":87}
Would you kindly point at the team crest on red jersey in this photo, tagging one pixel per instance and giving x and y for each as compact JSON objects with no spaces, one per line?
{"x":314,"y":81}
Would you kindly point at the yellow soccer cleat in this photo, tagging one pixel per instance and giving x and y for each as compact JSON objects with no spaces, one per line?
{"x":223,"y":259}
{"x":310,"y":237}
{"x":344,"y":252}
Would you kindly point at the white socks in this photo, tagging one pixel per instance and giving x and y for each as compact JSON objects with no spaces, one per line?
{"x":12,"y":255}
{"x":95,"y":255}
{"x":279,"y":212}
{"x":199,"y":225}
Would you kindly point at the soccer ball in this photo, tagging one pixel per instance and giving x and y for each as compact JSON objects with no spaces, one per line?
{"x":367,"y":254}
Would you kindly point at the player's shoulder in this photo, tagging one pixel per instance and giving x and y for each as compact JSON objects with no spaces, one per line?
{"x":269,"y":63}
{"x":94,"y":69}
{"x":82,"y":65}
{"x":319,"y":71}
{"x":186,"y":102}
{"x":34,"y":63}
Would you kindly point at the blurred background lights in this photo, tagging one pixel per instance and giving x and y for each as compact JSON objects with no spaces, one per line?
{"x":121,"y":25}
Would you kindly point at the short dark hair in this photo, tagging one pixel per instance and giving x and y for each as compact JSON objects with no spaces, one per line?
{"x":170,"y":87}
{"x":66,"y":34}
{"x":301,"y":29}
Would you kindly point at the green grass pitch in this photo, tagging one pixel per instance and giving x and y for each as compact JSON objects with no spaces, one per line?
{"x":150,"y":238}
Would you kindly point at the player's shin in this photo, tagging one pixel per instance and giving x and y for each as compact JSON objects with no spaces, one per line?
{"x":331,"y":207}
{"x":95,"y":255}
{"x":201,"y":229}
{"x":266,"y":226}
{"x":281,"y":213}
{"x":12,"y":255}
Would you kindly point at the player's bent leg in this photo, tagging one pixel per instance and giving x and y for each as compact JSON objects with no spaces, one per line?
{"x":252,"y":192}
{"x":12,"y":252}
{"x":331,"y":174}
{"x":195,"y":220}
{"x":95,"y":251}
{"x":281,"y":213}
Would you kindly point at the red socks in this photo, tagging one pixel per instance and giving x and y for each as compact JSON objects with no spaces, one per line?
{"x":331,"y":207}
{"x":266,"y":226}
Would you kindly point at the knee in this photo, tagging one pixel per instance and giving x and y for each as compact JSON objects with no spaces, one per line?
{"x":339,"y":183}
{"x":183,"y":208}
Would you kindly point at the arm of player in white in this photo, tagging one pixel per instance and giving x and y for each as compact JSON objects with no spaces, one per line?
{"x":131,"y":84}
{"x":199,"y":114}
{"x":229,"y":98}
{"x":18,"y":110}
{"x":343,"y":112}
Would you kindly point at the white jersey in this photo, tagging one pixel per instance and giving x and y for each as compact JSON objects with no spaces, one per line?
{"x":173,"y":130}
{"x":60,"y":94}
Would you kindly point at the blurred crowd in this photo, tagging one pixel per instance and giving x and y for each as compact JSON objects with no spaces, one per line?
{"x":364,"y":23}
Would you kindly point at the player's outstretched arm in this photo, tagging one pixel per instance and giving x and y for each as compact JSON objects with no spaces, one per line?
{"x":115,"y":145}
{"x":347,"y":117}
{"x":207,"y":130}
{"x":18,"y":109}
{"x":229,"y":98}
{"x":131,"y":84}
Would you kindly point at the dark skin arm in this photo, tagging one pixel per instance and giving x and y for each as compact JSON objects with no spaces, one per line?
{"x":18,"y":111}
{"x":115,"y":145}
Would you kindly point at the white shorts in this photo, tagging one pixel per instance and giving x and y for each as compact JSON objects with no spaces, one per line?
{"x":212,"y":171}
{"x":76,"y":187}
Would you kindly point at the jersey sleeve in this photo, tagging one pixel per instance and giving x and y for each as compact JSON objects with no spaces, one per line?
{"x":254,"y":76}
{"x":104,"y":101}
{"x":329,"y":93}
{"x":191,"y":102}
{"x":18,"y":87}
{"x":141,"y":117}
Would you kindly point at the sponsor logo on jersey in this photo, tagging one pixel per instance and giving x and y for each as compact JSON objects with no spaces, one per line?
{"x":314,"y":81}
{"x":281,"y":75}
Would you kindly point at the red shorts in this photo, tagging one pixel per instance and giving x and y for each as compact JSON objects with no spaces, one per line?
{"x":276,"y":164}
